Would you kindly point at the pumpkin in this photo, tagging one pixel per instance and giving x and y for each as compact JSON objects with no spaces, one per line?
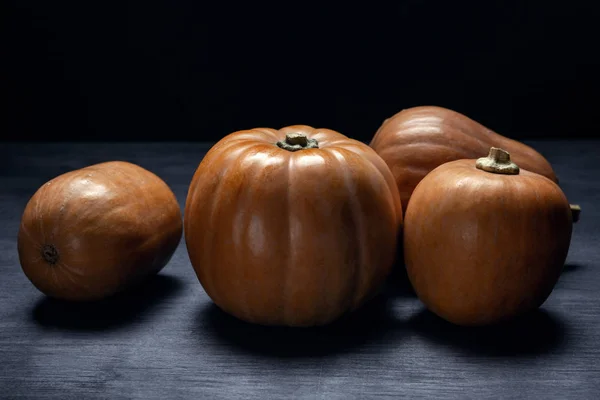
{"x":291,"y":227}
{"x":484,"y":240}
{"x":416,"y":140}
{"x":92,"y":232}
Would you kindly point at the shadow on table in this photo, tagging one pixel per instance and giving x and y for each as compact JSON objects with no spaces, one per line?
{"x":371,"y":322}
{"x":397,"y":284}
{"x":536,"y":333}
{"x":571,"y":267}
{"x":110,"y":313}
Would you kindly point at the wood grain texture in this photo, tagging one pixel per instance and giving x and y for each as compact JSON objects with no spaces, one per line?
{"x":167,"y":340}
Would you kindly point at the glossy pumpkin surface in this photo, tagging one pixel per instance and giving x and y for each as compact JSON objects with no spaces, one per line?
{"x":483,"y":247}
{"x":416,"y":140}
{"x":291,"y":227}
{"x":93,"y":232}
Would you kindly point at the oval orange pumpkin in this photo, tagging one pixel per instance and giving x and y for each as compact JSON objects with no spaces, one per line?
{"x":416,"y":140}
{"x":484,"y":240}
{"x":291,"y":227}
{"x":92,"y":232}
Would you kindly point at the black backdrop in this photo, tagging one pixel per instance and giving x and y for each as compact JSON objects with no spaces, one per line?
{"x":193,"y":70}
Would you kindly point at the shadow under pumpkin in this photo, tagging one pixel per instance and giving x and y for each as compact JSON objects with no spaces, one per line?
{"x":111,"y":313}
{"x":377,"y":325}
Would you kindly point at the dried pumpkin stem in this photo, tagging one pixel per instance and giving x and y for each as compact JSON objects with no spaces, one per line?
{"x":575,"y":211}
{"x":50,"y":254}
{"x":297,"y":141}
{"x":498,"y":162}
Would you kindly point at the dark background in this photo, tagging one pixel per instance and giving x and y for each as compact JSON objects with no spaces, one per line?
{"x":196,"y":70}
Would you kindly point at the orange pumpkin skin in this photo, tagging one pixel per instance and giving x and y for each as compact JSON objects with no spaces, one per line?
{"x":291,"y":238}
{"x":416,"y":140}
{"x":481,"y":247}
{"x":90,"y":233}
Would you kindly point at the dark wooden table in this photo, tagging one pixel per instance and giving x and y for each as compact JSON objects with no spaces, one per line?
{"x":167,"y":340}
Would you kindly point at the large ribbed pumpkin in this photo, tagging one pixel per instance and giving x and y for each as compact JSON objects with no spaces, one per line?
{"x":416,"y":140}
{"x":293,"y":227}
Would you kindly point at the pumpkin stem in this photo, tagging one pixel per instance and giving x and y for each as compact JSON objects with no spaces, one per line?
{"x":297,"y":141}
{"x":498,"y":161}
{"x":575,"y":211}
{"x":50,"y":254}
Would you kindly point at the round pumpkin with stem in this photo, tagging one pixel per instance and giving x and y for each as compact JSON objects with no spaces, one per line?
{"x":292,"y":227}
{"x":485,"y":240}
{"x":90,"y":233}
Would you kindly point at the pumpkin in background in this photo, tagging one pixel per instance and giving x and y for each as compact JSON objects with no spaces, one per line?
{"x":416,"y":140}
{"x":92,"y":232}
{"x":484,"y":240}
{"x":293,"y":226}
